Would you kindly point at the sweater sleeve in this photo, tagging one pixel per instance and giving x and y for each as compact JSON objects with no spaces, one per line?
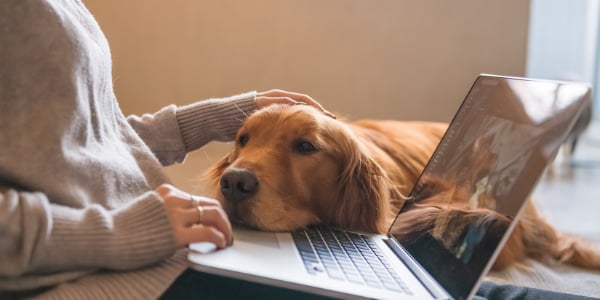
{"x":40,"y":237}
{"x":174,"y":131}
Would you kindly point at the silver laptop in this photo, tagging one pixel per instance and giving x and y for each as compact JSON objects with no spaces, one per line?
{"x":496,"y":148}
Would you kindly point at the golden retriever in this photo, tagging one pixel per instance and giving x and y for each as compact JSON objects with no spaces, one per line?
{"x":292,"y":166}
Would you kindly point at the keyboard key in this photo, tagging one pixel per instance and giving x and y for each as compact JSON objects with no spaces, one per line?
{"x":346,"y":256}
{"x":336,"y":274}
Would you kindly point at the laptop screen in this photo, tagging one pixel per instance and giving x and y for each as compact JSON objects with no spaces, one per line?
{"x":481,"y":174}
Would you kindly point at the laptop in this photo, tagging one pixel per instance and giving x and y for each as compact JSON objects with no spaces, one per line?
{"x":498,"y":144}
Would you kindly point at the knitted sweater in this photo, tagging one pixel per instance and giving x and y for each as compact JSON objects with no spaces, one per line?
{"x":78,"y":215}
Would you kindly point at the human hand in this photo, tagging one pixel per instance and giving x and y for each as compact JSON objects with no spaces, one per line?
{"x":195,"y":218}
{"x":267,"y":98}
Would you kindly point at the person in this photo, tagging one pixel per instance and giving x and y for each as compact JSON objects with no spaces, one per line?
{"x":86,"y":210}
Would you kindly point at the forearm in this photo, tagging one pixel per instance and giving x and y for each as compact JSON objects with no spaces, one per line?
{"x":173,"y":131}
{"x":214,"y":120}
{"x":40,"y":237}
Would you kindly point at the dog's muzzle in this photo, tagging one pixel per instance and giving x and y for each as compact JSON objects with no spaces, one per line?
{"x":238,"y":185}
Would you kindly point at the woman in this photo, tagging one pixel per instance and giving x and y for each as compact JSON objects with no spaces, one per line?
{"x":86,"y":210}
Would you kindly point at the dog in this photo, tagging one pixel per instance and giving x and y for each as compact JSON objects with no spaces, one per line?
{"x":293,"y":166}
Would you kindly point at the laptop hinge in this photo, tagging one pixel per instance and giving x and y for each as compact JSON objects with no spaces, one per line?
{"x":433,"y":287}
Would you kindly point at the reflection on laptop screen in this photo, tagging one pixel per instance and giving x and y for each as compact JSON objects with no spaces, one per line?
{"x":493,"y":153}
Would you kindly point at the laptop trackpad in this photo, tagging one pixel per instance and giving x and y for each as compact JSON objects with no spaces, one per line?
{"x":241,"y":235}
{"x":255,"y":237}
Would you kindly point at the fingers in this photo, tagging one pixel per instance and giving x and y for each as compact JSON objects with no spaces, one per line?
{"x":216,"y":217}
{"x":188,"y":212}
{"x":295,"y":96}
{"x":203,"y":233}
{"x":284,"y":97}
{"x":211,"y":216}
{"x":175,"y":197}
{"x":203,"y":201}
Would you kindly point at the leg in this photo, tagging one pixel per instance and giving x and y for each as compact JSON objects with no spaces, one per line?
{"x":193,"y":284}
{"x":491,"y":291}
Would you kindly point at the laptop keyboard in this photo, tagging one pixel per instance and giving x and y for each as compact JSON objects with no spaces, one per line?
{"x":346,"y":256}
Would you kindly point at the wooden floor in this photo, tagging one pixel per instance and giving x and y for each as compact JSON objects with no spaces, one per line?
{"x":569,"y":197}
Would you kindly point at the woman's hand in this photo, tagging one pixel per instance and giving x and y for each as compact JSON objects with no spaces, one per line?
{"x":267,"y":98}
{"x":195,"y":218}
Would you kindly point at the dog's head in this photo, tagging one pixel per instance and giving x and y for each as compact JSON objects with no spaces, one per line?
{"x":293,"y":166}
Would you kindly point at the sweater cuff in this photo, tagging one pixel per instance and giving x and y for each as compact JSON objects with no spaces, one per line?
{"x":133,"y":236}
{"x":214,"y":119}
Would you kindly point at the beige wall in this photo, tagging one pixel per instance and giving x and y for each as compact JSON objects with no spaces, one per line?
{"x":368,"y":58}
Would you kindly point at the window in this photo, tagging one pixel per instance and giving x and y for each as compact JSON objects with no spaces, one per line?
{"x":563,"y":43}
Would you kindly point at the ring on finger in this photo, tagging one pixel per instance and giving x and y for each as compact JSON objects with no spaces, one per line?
{"x":195,"y":201}
{"x":200,"y":210}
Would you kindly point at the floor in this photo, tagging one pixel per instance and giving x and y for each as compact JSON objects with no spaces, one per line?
{"x":569,"y":197}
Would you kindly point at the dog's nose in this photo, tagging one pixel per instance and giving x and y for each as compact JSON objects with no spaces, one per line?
{"x":238,"y":185}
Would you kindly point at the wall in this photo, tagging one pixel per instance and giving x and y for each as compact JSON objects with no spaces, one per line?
{"x":375,"y":59}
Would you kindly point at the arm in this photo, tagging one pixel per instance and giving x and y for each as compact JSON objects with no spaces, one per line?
{"x":40,"y":237}
{"x":174,"y":131}
{"x":71,"y":195}
{"x":47,"y":221}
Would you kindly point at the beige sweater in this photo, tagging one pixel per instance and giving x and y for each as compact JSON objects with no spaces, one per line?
{"x":78,"y":215}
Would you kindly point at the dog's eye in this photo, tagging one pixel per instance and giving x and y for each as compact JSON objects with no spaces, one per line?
{"x":243,"y":140}
{"x":304,"y":147}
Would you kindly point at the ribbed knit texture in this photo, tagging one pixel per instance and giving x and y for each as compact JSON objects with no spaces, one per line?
{"x":141,"y":284}
{"x":222,"y":120}
{"x":78,"y":215}
{"x":140,"y":240}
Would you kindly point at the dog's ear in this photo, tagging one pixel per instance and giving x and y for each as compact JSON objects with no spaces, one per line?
{"x":213,"y":175}
{"x":363,"y":202}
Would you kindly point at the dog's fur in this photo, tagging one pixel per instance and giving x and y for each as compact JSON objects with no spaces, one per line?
{"x":292,"y":166}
